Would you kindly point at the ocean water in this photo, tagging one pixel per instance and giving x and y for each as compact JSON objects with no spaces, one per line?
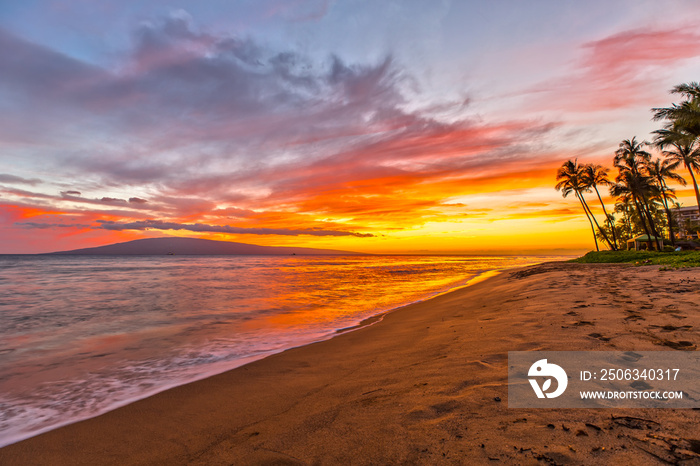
{"x":80,"y":335}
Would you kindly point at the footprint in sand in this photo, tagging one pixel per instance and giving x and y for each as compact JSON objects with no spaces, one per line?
{"x":671,"y":328}
{"x":673,"y":310}
{"x":682,"y":290}
{"x":598,"y":336}
{"x":433,"y":412}
{"x":640,"y":385}
{"x":682,"y":345}
{"x":673,"y":313}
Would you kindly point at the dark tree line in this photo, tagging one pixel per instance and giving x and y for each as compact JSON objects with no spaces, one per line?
{"x":643,"y":197}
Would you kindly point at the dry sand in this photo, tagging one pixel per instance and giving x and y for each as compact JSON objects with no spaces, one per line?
{"x":420,"y":387}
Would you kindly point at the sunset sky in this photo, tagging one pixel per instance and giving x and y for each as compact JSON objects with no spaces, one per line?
{"x":387,"y":126}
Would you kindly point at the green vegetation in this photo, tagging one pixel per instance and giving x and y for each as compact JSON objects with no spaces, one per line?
{"x":669,"y":259}
{"x":644,"y":200}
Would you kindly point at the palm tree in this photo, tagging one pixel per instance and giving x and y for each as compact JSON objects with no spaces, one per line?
{"x":595,"y":175}
{"x":629,"y":184}
{"x":630,"y":159}
{"x":660,"y":171}
{"x":682,"y":130}
{"x":689,"y":90}
{"x":624,"y":205}
{"x":684,"y":149}
{"x":631,"y":155}
{"x":571,"y":180}
{"x":686,"y":115}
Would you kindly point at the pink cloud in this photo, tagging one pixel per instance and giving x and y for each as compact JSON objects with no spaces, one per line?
{"x":631,"y":50}
{"x":620,"y":71}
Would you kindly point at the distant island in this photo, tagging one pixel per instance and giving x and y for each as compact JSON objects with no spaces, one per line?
{"x":195,"y":246}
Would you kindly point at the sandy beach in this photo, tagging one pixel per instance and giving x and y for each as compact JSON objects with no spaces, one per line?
{"x":425,"y":385}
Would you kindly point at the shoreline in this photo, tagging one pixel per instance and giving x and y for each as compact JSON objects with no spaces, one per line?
{"x":331,"y":333}
{"x":410,"y":361}
{"x":374,"y":319}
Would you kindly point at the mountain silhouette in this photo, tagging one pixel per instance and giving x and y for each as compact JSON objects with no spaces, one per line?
{"x":195,"y":246}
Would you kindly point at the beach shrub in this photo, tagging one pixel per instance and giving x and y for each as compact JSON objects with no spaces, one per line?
{"x":672,"y":259}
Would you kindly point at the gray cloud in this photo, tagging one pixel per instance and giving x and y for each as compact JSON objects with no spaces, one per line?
{"x":199,"y":227}
{"x":112,"y":200}
{"x":75,"y":196}
{"x":44,"y":226}
{"x":46,"y":88}
{"x":24,"y":193}
{"x":179,"y":87}
{"x":5,"y":178}
{"x":38,"y":69}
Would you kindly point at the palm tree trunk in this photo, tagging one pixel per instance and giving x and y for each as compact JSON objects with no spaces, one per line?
{"x":695,"y":185}
{"x":654,"y":230}
{"x":605,"y":236}
{"x":652,"y":224}
{"x":641,"y":218}
{"x":612,"y":227}
{"x":589,"y":220}
{"x":628,"y":222}
{"x":668,"y":215}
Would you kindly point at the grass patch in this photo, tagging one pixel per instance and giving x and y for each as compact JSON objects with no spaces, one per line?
{"x":670,"y":259}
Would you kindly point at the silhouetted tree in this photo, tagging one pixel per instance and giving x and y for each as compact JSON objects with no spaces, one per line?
{"x":571,"y":179}
{"x":681,"y":133}
{"x":595,"y":175}
{"x":660,"y":171}
{"x":630,"y":159}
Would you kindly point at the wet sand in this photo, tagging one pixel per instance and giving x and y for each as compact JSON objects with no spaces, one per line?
{"x":425,"y":385}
